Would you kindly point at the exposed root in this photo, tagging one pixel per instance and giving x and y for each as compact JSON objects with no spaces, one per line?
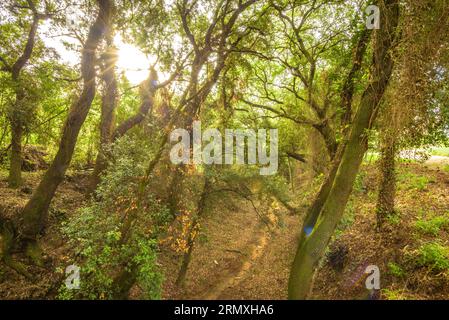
{"x":17,"y":266}
{"x":34,"y":252}
{"x":6,"y":244}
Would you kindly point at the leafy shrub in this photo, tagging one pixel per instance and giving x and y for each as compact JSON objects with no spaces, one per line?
{"x":394,"y":218}
{"x":393,"y":294}
{"x":395,"y":270}
{"x":446,"y":168}
{"x":434,"y":256}
{"x":409,"y":181}
{"x":432,"y":226}
{"x":359,"y":182}
{"x":100,"y":235}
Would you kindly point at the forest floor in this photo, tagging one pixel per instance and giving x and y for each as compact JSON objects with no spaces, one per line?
{"x":57,"y":254}
{"x":243,"y":259}
{"x":240,"y":257}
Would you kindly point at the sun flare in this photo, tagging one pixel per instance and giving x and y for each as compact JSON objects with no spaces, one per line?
{"x":133,"y":62}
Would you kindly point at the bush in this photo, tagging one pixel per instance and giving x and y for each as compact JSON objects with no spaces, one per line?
{"x":359,"y":182}
{"x":393,"y":294}
{"x":394,"y":218}
{"x":432,"y":226}
{"x":434,"y":256}
{"x":410,"y":181}
{"x":395,"y":270}
{"x":96,"y":233}
{"x":446,"y":168}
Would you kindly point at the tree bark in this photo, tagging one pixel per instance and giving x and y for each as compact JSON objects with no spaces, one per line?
{"x":16,"y":121}
{"x":346,"y":96}
{"x":15,"y":167}
{"x":108,"y":136}
{"x":328,"y":135}
{"x":314,"y":241}
{"x":348,"y":87}
{"x":387,"y":187}
{"x":108,"y":105}
{"x":34,"y":214}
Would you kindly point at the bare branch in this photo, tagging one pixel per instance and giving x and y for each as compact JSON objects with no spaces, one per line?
{"x":184,"y":12}
{"x":283,"y":113}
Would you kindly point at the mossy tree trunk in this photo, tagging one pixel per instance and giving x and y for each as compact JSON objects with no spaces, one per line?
{"x":34,"y":214}
{"x":17,"y":114}
{"x":15,"y":166}
{"x":108,"y":105}
{"x":108,"y":134}
{"x":315,"y":239}
{"x":387,"y":186}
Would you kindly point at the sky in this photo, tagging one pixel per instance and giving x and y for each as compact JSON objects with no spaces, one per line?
{"x":132,"y":61}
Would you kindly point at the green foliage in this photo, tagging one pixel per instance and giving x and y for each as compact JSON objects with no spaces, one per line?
{"x":420,"y":183}
{"x":359,"y":183}
{"x":393,"y":294}
{"x":434,"y":256}
{"x":440,"y":151}
{"x":446,"y":168}
{"x":410,"y":181}
{"x":394,"y":218}
{"x":432,"y":226}
{"x":100,"y":237}
{"x":276,"y":186}
{"x":348,"y":218}
{"x":396,"y":270}
{"x":371,"y":157}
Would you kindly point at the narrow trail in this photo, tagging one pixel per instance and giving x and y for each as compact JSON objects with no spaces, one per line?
{"x":233,"y":279}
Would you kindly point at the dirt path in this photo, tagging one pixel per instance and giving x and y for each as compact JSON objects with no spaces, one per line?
{"x":439,"y":160}
{"x":233,"y":279}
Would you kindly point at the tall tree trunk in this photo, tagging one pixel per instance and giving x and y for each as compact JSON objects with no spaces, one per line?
{"x":108,"y":105}
{"x":387,"y":186}
{"x":290,"y":175}
{"x":35,"y":211}
{"x":314,"y":241}
{"x":329,"y":137}
{"x":16,"y":122}
{"x":318,"y":163}
{"x":15,"y":168}
{"x":346,"y":103}
{"x":173,"y":189}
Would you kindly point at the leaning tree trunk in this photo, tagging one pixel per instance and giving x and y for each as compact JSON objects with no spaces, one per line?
{"x":314,"y":241}
{"x":17,"y":125}
{"x":34,"y":214}
{"x":346,"y":102}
